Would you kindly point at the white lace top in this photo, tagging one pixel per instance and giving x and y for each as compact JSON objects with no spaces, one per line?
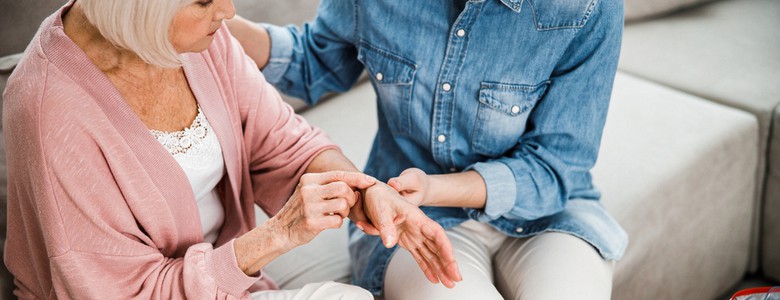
{"x":199,"y":154}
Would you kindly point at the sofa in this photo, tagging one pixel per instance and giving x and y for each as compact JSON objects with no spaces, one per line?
{"x":689,"y":163}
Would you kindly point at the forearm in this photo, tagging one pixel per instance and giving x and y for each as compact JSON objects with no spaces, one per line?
{"x":258,"y":247}
{"x":253,"y":38}
{"x":466,"y":189}
{"x":331,"y":160}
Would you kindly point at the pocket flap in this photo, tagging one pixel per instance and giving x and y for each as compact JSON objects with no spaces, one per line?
{"x":385,"y":67}
{"x":511,"y":99}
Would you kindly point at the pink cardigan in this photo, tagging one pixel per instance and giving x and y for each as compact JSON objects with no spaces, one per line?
{"x":97,"y":209}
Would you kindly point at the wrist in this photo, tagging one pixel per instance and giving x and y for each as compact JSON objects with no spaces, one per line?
{"x":433,"y":190}
{"x":257,"y":248}
{"x":279,"y":237}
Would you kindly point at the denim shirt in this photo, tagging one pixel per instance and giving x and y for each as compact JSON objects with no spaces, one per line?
{"x":516,"y":90}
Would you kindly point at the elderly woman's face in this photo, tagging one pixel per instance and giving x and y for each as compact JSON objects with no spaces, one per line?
{"x":194,"y":25}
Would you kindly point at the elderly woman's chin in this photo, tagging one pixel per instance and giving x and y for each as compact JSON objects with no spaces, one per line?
{"x":198,"y":46}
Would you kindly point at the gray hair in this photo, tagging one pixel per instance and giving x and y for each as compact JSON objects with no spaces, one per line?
{"x":141,"y":26}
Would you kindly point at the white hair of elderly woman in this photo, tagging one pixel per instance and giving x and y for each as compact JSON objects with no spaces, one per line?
{"x":141,"y":26}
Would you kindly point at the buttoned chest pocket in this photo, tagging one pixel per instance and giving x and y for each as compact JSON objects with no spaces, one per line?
{"x":502,"y":115}
{"x":393,"y":80}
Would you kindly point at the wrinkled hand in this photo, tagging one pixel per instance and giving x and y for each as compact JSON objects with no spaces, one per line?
{"x":422,"y":237}
{"x":320,"y":201}
{"x":413,"y":184}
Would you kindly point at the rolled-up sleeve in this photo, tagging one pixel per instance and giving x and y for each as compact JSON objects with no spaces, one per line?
{"x":318,"y":58}
{"x":281,"y":53}
{"x":501,"y":190}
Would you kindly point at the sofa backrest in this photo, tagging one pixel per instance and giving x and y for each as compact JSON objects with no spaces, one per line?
{"x":20,"y":21}
{"x":277,"y":12}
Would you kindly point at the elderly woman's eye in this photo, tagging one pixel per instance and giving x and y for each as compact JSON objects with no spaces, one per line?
{"x":205,"y":3}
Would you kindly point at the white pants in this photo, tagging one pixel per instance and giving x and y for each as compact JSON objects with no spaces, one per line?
{"x":547,"y":266}
{"x":328,"y":290}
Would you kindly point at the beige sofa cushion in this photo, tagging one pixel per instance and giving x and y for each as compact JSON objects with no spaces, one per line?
{"x":677,"y":172}
{"x":727,"y":52}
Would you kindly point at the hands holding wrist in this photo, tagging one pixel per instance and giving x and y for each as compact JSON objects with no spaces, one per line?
{"x":320,"y":201}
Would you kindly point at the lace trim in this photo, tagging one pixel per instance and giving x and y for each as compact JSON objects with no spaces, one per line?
{"x":188,"y":140}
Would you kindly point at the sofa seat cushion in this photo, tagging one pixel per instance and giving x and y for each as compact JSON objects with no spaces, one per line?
{"x":677,"y":172}
{"x":727,"y":52}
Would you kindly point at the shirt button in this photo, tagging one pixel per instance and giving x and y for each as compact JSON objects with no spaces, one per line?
{"x":441,"y":138}
{"x":515,"y":109}
{"x":446,"y":87}
{"x":519,"y":229}
{"x":452,"y":170}
{"x":379,"y":76}
{"x":461,"y":32}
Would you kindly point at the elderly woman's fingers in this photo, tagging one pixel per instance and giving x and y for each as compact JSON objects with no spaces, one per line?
{"x":440,"y":265}
{"x":448,"y":260}
{"x":333,"y":221}
{"x":438,"y":242}
{"x":424,"y":266}
{"x":435,"y":263}
{"x":330,"y":207}
{"x":339,"y":190}
{"x":367,"y":228}
{"x":353,"y":179}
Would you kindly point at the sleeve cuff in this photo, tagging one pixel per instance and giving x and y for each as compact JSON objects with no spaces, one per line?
{"x":224,"y":267}
{"x":501,"y":191}
{"x":281,"y":52}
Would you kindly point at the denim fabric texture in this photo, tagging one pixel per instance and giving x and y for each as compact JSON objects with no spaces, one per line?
{"x":516,"y":90}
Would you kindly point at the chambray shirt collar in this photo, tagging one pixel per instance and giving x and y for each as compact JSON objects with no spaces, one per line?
{"x":514,"y":5}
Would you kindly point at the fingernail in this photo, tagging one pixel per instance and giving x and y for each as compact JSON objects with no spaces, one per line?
{"x":389,"y":241}
{"x":370,"y":179}
{"x":360,"y":227}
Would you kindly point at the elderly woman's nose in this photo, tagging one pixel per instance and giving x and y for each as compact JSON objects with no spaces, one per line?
{"x":226,"y":10}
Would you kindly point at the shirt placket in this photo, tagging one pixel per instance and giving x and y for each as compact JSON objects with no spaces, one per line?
{"x":442,"y":139}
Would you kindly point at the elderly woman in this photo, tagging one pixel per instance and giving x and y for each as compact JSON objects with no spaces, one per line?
{"x":139,"y":137}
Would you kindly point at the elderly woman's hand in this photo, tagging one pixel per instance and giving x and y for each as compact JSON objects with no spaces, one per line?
{"x":422,"y":237}
{"x":320,"y":201}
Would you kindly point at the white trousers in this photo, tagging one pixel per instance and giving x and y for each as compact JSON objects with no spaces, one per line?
{"x":328,"y":290}
{"x":547,"y":266}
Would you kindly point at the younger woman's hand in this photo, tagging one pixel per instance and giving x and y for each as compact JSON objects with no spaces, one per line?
{"x":413,"y":184}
